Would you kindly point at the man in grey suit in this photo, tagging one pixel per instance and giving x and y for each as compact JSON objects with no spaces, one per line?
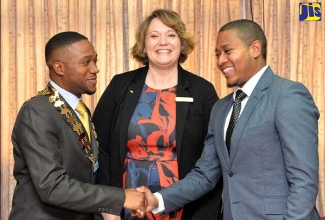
{"x":270,"y":166}
{"x":55,"y":152}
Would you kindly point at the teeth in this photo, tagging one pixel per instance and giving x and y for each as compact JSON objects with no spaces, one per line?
{"x":228,"y":69}
{"x":163,"y":51}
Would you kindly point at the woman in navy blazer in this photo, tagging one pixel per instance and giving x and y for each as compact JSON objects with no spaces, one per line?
{"x":179,"y":105}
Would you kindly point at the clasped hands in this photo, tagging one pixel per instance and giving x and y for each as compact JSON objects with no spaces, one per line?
{"x":139,"y":201}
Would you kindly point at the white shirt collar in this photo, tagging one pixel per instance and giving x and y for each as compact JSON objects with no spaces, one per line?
{"x":70,"y":98}
{"x":251,"y":83}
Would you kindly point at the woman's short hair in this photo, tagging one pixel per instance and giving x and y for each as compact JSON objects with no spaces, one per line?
{"x":170,"y":19}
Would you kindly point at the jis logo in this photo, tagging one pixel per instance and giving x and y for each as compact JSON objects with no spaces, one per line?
{"x":311,"y":11}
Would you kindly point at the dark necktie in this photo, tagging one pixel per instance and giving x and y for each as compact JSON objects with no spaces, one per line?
{"x":240,"y":95}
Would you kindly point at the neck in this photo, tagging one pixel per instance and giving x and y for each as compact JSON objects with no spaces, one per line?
{"x":162,"y":78}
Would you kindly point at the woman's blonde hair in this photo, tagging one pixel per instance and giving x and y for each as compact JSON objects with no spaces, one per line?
{"x":170,"y":19}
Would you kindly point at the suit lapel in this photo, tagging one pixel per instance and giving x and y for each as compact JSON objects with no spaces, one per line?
{"x":132,"y":95}
{"x":94,"y":144}
{"x":64,"y":118}
{"x":181,"y":108}
{"x":93,"y":134}
{"x":70,"y":117}
{"x":256,"y":96}
{"x":224,"y":109}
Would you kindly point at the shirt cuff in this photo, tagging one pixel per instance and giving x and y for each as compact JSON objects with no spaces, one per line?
{"x":161,"y":205}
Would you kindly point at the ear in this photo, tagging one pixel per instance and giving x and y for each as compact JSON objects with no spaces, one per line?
{"x":256,"y":48}
{"x":58,"y":68}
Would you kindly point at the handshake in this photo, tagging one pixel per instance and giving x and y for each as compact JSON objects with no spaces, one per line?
{"x":139,"y":201}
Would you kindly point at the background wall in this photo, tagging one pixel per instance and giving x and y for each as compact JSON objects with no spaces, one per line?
{"x":295,"y":51}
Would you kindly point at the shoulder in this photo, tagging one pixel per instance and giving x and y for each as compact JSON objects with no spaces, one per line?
{"x":40,"y":105}
{"x":37,"y":102}
{"x":197,"y":84}
{"x":198,"y":87}
{"x":120,"y":82}
{"x":196,"y":79}
{"x":129,"y":75}
{"x":223,"y":102}
{"x":283,"y":85}
{"x":283,"y":81}
{"x":287,"y":94}
{"x":37,"y":107}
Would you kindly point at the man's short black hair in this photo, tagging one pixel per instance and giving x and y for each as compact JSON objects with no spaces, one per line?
{"x":60,"y":40}
{"x":248,"y":31}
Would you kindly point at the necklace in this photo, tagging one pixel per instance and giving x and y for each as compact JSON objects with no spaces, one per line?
{"x":60,"y":105}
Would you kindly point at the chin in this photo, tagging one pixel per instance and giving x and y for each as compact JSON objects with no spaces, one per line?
{"x":230,"y":85}
{"x":90,"y":92}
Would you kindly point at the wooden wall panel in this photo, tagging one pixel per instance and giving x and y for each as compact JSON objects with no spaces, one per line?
{"x":5,"y":147}
{"x":295,"y":51}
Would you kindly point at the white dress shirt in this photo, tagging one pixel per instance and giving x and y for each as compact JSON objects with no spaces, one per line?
{"x":70,"y":98}
{"x":247,"y":89}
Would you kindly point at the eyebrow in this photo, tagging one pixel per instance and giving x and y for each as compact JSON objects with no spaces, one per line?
{"x":90,"y":56}
{"x":223,"y":46}
{"x":171,"y":30}
{"x":226,"y":45}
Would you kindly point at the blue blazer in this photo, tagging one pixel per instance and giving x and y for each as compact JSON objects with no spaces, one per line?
{"x":112,"y":117}
{"x":272,"y":171}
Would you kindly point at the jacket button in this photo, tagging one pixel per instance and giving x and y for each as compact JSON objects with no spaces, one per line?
{"x":230,"y":173}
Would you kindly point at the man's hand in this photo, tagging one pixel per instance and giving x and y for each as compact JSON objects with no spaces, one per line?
{"x":136,"y":201}
{"x":152,"y":201}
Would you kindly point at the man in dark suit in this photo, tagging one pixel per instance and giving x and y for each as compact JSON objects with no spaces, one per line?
{"x":270,"y":166}
{"x":55,"y":153}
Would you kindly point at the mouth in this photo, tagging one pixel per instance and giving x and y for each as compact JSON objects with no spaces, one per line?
{"x":163,"y":51}
{"x":93,"y":80}
{"x":228,"y":70}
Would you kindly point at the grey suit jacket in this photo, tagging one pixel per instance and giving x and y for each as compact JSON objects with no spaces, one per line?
{"x":54,"y":177}
{"x":272,"y":171}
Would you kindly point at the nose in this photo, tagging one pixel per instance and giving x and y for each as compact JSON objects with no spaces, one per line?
{"x":163,"y":40}
{"x":221,"y":59}
{"x":94,"y":69}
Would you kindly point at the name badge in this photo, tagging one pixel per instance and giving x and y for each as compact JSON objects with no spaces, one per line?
{"x":184,"y":99}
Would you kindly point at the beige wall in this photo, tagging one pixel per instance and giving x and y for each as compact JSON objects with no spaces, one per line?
{"x":295,"y":50}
